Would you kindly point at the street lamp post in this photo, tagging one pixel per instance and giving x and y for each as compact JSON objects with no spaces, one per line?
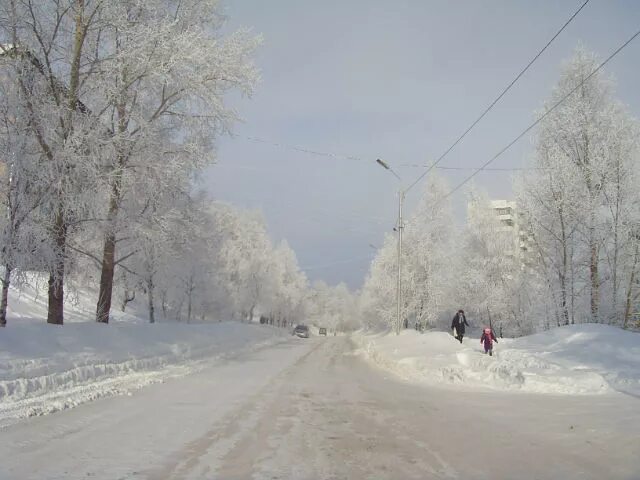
{"x":400,"y":227}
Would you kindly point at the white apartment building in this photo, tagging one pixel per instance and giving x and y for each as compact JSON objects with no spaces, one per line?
{"x":519,"y":237}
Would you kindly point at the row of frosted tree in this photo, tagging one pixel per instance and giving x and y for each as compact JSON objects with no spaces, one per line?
{"x":578,"y":206}
{"x":109,"y":111}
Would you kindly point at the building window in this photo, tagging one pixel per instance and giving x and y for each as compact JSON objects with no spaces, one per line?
{"x":503,"y":211}
{"x":507,"y":222}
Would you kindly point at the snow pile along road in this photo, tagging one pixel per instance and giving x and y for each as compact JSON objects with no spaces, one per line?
{"x":44,"y":368}
{"x":579,"y":359}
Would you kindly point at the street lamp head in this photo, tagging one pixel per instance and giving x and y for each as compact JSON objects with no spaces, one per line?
{"x":383,"y":164}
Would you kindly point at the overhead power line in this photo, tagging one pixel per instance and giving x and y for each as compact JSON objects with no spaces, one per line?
{"x":502,"y":94}
{"x":505,"y":169}
{"x":533,"y":125}
{"x":353,"y":157}
{"x":304,"y":150}
{"x":457,"y":141}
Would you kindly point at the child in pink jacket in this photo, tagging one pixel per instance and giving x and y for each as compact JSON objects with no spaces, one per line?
{"x":487,"y":338}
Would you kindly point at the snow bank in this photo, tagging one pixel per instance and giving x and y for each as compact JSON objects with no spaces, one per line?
{"x":580,"y":359}
{"x":45,"y":368}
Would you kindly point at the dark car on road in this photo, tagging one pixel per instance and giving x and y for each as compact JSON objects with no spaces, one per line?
{"x":301,"y":331}
{"x":322,"y":331}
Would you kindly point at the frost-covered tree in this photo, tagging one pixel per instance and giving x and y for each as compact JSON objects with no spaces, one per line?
{"x":167,"y":69}
{"x":378,"y":295}
{"x":289,"y":286}
{"x":427,"y":273}
{"x":579,"y":212}
{"x":52,"y":45}
{"x":430,"y":239}
{"x":493,"y":284}
{"x":581,"y":202}
{"x":115,"y":95}
{"x":334,"y":307}
{"x":251,"y":275}
{"x":22,"y":194}
{"x":243,"y":259}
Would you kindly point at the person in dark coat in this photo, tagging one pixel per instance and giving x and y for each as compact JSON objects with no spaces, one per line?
{"x":458,"y":324}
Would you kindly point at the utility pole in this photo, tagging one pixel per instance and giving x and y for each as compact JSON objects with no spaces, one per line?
{"x":399,"y":287}
{"x":399,"y":227}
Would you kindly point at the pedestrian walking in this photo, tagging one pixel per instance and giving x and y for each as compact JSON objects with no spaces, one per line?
{"x":458,"y":325}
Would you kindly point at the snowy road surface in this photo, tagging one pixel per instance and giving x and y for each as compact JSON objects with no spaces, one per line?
{"x":316,"y":410}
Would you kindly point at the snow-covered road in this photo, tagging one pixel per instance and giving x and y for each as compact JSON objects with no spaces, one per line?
{"x":315,"y":409}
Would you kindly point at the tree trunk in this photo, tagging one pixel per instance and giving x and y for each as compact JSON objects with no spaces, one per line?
{"x":593,"y":245}
{"x":55,"y":314}
{"x":128,"y":298}
{"x":190,"y":289}
{"x":632,"y":279}
{"x":189,"y":306}
{"x":164,"y":305}
{"x":595,"y":285}
{"x":563,"y":276}
{"x":573,"y":289}
{"x":109,"y":250}
{"x":5,"y":295}
{"x":614,"y":293}
{"x":105,"y":295}
{"x":106,"y":279}
{"x":163,"y":302}
{"x":616,"y":210}
{"x":178,"y":311}
{"x":150,"y":298}
{"x":550,"y":283}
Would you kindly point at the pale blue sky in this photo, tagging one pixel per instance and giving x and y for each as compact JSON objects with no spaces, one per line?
{"x":397,"y":80}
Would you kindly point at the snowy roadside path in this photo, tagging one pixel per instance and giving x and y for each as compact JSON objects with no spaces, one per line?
{"x":45,"y":369}
{"x":587,"y":359}
{"x":117,"y":437}
{"x":316,"y":409}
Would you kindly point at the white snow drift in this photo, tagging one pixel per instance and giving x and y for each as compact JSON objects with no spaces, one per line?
{"x":580,"y":359}
{"x":44,"y":368}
